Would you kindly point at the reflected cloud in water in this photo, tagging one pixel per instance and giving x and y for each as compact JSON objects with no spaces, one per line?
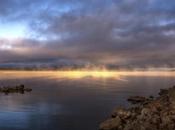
{"x":67,"y":100}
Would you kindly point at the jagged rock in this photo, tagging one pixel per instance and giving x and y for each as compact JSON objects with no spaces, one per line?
{"x":156,"y":114}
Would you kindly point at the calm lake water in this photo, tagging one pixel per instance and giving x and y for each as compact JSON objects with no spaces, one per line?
{"x":71,"y":102}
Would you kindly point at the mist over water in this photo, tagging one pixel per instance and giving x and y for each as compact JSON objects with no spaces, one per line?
{"x":72,"y":100}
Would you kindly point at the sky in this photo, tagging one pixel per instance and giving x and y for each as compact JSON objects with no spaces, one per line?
{"x":125,"y":33}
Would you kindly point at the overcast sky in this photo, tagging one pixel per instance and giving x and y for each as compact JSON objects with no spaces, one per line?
{"x":115,"y":32}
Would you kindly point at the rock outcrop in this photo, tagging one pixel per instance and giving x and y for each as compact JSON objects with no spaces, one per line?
{"x":16,"y":89}
{"x":148,"y":114}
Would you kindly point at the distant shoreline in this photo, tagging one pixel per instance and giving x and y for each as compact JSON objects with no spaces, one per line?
{"x":93,"y":68}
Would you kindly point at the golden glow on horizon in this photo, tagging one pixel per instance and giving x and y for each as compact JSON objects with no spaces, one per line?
{"x":78,"y":74}
{"x":93,"y":74}
{"x":60,"y":74}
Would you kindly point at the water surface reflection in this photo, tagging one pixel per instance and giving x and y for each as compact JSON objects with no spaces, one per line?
{"x":58,"y":102}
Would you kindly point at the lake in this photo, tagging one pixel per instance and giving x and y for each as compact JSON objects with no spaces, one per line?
{"x":72,"y":100}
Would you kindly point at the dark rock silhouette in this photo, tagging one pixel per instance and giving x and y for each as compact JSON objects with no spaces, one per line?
{"x":16,"y":89}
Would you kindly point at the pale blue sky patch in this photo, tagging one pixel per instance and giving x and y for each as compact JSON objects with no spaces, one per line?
{"x":12,"y":30}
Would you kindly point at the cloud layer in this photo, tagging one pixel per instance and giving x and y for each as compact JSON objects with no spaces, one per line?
{"x":112,"y":32}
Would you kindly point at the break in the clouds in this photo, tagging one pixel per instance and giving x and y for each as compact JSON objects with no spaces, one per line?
{"x":113,"y":32}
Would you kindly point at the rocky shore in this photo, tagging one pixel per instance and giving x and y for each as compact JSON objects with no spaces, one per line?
{"x":16,"y":89}
{"x":147,"y":113}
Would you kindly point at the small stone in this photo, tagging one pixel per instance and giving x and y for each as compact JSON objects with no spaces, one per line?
{"x":28,"y":89}
{"x":137,"y":99}
{"x":151,"y":97}
{"x":163,"y":92}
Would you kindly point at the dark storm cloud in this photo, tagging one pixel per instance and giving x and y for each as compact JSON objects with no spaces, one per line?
{"x":121,"y":32}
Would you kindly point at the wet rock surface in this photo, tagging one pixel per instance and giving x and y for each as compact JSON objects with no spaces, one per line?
{"x":149,"y":114}
{"x":16,"y":89}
